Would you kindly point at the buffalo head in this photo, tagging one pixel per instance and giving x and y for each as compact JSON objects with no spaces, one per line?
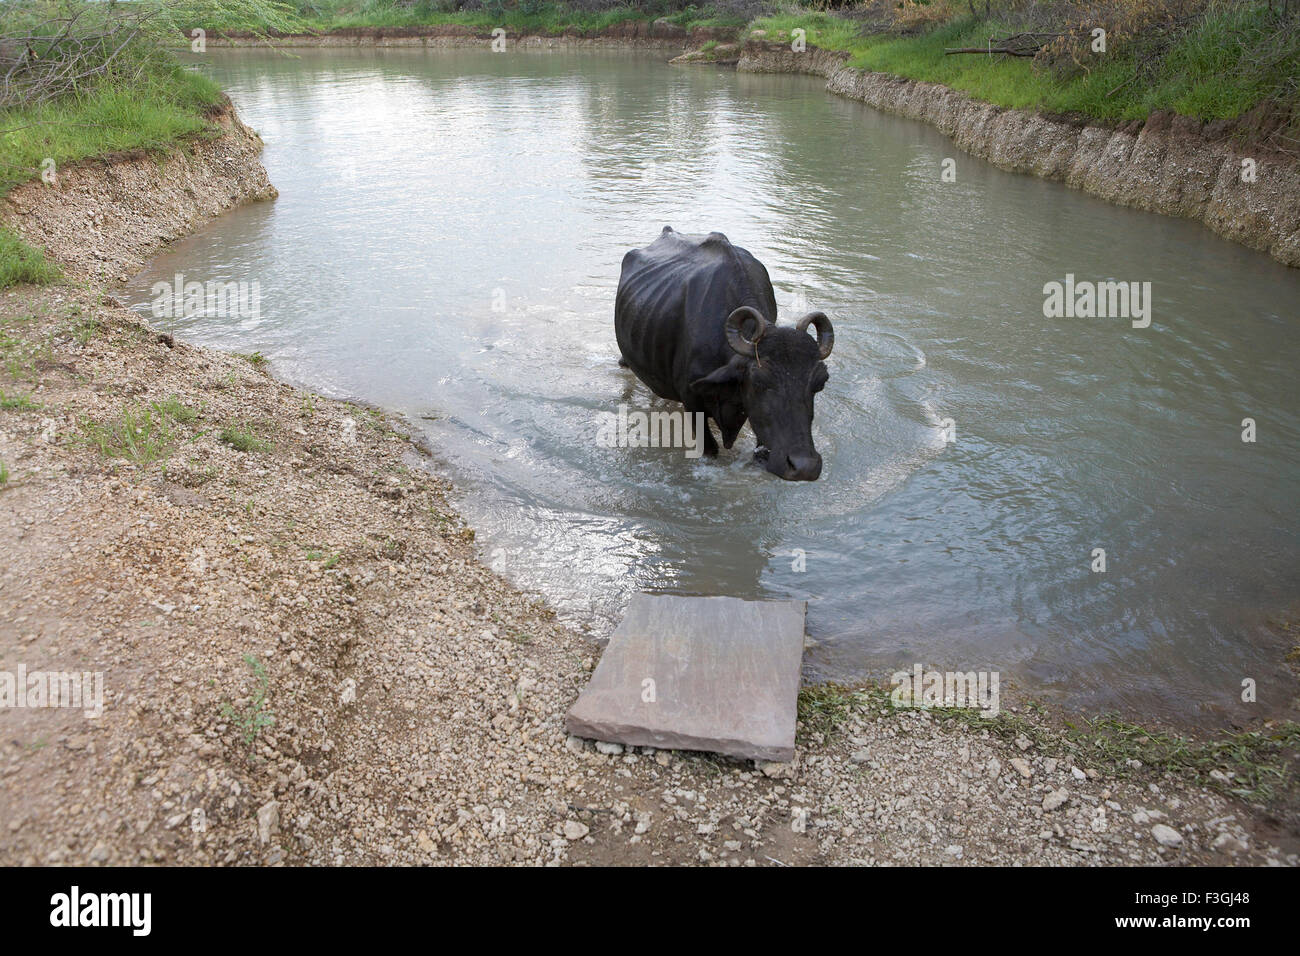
{"x":771,"y":380}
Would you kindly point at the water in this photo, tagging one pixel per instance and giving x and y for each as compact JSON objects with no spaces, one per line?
{"x":447,"y":243}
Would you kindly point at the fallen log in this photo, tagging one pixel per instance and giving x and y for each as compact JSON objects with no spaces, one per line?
{"x":1018,"y":44}
{"x":1008,"y":51}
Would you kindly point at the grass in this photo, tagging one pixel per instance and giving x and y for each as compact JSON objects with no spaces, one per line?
{"x":20,"y":355}
{"x":177,"y":411}
{"x":528,"y":16}
{"x":253,"y":718}
{"x":163,"y":104}
{"x":1261,"y":763}
{"x":255,"y":359}
{"x":243,"y":438}
{"x":85,"y":330}
{"x":18,"y":403}
{"x":316,"y":554}
{"x":1208,"y":72}
{"x":4,"y":474}
{"x":142,"y":435}
{"x":20,"y":262}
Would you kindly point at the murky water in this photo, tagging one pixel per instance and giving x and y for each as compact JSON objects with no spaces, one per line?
{"x":447,"y":242}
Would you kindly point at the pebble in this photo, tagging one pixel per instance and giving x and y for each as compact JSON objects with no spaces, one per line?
{"x":1166,"y":835}
{"x":268,"y":821}
{"x":1056,"y":799}
{"x":573,"y":830}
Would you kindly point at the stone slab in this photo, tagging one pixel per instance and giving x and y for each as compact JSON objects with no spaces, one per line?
{"x":725,"y":676}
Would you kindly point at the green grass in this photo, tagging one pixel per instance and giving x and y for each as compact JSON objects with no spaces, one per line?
{"x":253,"y":717}
{"x":18,"y":403}
{"x":243,"y":438}
{"x":84,"y":330}
{"x":20,"y":262}
{"x":255,"y":359}
{"x":172,"y":407}
{"x":20,"y":355}
{"x":151,"y":111}
{"x":1262,"y":763}
{"x":4,"y":474}
{"x":1208,"y":73}
{"x":525,"y":16}
{"x":140,"y":435}
{"x":316,"y":554}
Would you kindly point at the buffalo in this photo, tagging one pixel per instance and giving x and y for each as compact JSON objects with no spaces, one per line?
{"x":695,"y":321}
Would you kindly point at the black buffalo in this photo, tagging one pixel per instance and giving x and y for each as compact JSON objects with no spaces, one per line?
{"x":696,"y":321}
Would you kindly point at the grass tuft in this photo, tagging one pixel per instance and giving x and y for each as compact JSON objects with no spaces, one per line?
{"x":253,"y":717}
{"x":1258,"y":766}
{"x":243,"y":438}
{"x":141,"y":435}
{"x":20,"y":262}
{"x":18,"y":403}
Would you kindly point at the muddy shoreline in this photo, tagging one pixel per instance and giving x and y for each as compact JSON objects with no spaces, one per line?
{"x":306,"y":663}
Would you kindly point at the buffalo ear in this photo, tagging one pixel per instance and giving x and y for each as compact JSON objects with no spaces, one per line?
{"x":720,"y":378}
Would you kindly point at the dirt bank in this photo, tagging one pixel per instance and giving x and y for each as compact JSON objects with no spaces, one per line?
{"x":103,"y":218}
{"x":304,"y":660}
{"x":1170,"y":165}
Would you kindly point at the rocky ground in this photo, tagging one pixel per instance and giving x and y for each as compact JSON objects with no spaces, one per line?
{"x":305,"y":663}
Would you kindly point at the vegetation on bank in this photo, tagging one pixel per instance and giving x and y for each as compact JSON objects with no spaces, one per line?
{"x":1210,"y":60}
{"x":20,"y":262}
{"x":587,"y":17}
{"x":1258,"y":766}
{"x":82,"y":79}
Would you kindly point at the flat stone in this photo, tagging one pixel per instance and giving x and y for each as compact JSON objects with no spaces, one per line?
{"x":698,"y":673}
{"x":573,"y":830}
{"x":1166,"y":835}
{"x":268,"y":821}
{"x":1056,"y":799}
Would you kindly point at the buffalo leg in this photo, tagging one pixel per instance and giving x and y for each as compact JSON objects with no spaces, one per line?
{"x":710,"y":443}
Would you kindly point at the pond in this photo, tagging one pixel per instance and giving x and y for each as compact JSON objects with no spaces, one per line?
{"x":447,"y":244}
